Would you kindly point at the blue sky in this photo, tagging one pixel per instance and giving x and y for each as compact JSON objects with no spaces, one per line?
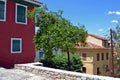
{"x":98,"y":16}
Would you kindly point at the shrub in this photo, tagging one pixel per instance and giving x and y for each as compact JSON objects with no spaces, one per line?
{"x":60,"y":61}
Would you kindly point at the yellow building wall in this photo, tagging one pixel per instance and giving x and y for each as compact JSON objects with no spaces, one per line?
{"x":101,"y":63}
{"x":88,"y":63}
{"x":89,"y":67}
{"x":91,"y":62}
{"x":94,"y":40}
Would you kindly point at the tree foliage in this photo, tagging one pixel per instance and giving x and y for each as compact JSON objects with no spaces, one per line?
{"x":117,"y":64}
{"x":60,"y":62}
{"x":116,"y":37}
{"x":55,"y":31}
{"x":116,"y":33}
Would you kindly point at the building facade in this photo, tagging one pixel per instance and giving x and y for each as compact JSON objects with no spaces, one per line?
{"x":16,"y":32}
{"x":95,"y":56}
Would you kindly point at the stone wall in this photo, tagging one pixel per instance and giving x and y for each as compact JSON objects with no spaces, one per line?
{"x":56,"y":74}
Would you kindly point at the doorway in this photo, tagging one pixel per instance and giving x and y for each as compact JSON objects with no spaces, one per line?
{"x":84,"y":69}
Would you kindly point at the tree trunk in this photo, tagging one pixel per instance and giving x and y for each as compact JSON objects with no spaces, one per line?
{"x":68,"y":53}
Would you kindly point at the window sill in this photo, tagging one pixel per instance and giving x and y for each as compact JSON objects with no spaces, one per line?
{"x":17,"y":52}
{"x":3,"y":20}
{"x":21,"y":23}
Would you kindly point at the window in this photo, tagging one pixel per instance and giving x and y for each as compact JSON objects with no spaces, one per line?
{"x":2,"y":10}
{"x":98,"y":57}
{"x":41,"y":54}
{"x":84,"y":56}
{"x":21,"y":11}
{"x":84,"y":69}
{"x":16,"y":45}
{"x":36,"y":17}
{"x":107,"y":56}
{"x":106,"y":68}
{"x":105,"y":43}
{"x":102,"y":56}
{"x":98,"y":71}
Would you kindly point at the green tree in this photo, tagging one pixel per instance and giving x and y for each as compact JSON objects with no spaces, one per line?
{"x":47,"y":22}
{"x":60,"y":62}
{"x":116,"y":37}
{"x":56,"y":32}
{"x":72,"y":35}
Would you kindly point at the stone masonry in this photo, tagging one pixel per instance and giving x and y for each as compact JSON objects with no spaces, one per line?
{"x":56,"y":74}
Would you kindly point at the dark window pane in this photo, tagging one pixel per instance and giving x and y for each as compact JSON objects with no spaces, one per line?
{"x":107,"y":56}
{"x":84,"y":56}
{"x":102,"y":56}
{"x":98,"y":71}
{"x":2,"y":5}
{"x":21,"y":14}
{"x":16,"y":45}
{"x":84,"y":69}
{"x":98,"y":57}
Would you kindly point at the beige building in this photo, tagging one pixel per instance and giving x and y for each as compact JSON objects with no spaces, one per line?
{"x":95,"y":56}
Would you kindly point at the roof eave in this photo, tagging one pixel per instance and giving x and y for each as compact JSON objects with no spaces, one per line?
{"x":93,"y":48}
{"x":28,"y":2}
{"x":34,"y":2}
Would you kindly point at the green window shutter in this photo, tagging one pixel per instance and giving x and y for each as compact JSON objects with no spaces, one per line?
{"x":21,"y":14}
{"x":2,"y":5}
{"x":15,"y":45}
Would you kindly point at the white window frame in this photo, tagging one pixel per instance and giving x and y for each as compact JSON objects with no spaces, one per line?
{"x":35,"y":18}
{"x":16,"y":14}
{"x":20,"y":45}
{"x":4,"y":11}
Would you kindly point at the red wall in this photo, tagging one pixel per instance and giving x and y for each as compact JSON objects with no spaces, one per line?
{"x":9,"y":29}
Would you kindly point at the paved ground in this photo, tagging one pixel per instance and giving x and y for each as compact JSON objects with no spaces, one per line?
{"x":14,"y":74}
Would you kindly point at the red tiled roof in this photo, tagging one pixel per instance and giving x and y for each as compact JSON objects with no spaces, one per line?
{"x":98,"y":37}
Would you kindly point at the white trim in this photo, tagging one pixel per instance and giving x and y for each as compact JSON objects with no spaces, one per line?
{"x":33,"y":2}
{"x":4,"y":11}
{"x":16,"y":14}
{"x":20,"y":45}
{"x":35,"y":18}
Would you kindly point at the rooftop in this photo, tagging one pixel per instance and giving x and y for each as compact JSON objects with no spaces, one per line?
{"x":98,"y":37}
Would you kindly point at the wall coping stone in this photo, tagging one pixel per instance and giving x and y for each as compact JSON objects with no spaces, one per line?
{"x":58,"y":71}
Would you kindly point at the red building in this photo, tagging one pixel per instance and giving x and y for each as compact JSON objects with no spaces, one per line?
{"x":16,"y":32}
